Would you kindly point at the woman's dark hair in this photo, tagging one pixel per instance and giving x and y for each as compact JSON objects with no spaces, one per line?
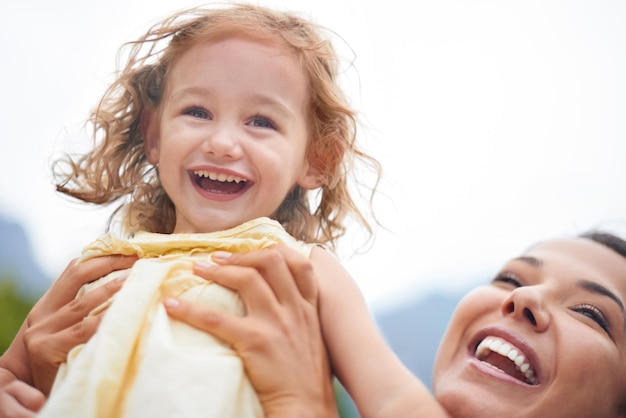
{"x":609,"y":240}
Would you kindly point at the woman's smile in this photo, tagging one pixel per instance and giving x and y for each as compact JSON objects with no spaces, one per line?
{"x":506,"y":357}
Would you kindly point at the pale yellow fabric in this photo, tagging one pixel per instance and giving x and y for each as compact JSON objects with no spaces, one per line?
{"x":141,"y":363}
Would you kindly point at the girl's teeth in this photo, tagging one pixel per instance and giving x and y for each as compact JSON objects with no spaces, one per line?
{"x":218,"y":177}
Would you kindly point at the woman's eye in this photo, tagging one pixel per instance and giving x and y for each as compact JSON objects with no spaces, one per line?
{"x":508,"y":278}
{"x":197,"y":112}
{"x":259,"y":121}
{"x":594,"y":314}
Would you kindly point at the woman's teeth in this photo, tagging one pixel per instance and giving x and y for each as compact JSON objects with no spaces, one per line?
{"x":506,"y":350}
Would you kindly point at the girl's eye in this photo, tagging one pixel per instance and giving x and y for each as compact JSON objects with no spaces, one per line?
{"x":197,"y":112}
{"x":507,"y":278}
{"x":259,"y":121}
{"x":594,"y":314}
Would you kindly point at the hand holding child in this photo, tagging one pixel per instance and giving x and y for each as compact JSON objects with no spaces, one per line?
{"x":58,"y":322}
{"x":280,"y":338}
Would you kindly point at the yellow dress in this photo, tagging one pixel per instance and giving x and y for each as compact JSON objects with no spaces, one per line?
{"x":141,"y":363}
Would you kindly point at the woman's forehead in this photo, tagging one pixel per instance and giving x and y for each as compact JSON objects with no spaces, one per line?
{"x":581,"y":258}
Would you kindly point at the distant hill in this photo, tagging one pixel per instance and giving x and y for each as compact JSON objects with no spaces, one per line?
{"x":17,"y":262}
{"x":415,"y":329}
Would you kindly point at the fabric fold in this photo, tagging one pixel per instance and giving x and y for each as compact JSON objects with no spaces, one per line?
{"x":142,"y":363}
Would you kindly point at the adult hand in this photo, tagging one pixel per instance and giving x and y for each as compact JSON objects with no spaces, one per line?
{"x":58,"y":321}
{"x":17,"y":399}
{"x":279,"y":339}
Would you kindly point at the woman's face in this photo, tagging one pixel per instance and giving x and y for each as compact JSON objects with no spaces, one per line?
{"x":545,"y":339}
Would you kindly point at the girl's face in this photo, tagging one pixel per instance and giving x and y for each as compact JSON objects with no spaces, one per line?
{"x":232,"y":133}
{"x":545,"y":339}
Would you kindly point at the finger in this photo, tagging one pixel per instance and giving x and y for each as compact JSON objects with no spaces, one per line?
{"x":19,"y":400}
{"x":76,"y":275}
{"x":288,"y":273}
{"x":48,"y":351}
{"x":77,"y":309}
{"x":302,"y":271}
{"x":227,"y":327}
{"x":246,"y":281}
{"x":83,"y":305}
{"x":52,"y":348}
{"x":50,"y":340}
{"x":94,"y":268}
{"x":271,"y":268}
{"x":26,"y":395}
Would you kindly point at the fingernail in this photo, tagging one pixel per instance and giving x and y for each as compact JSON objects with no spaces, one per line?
{"x":221,"y":255}
{"x":122,"y":277}
{"x":171,"y":303}
{"x":204,"y":265}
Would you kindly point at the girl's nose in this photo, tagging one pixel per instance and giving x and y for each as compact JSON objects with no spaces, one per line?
{"x":222,"y":141}
{"x":527,"y":304}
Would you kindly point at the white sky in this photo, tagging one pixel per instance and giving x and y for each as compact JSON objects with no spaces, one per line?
{"x":498,"y":123}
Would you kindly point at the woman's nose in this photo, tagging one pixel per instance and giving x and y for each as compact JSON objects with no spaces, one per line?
{"x":222,"y":141}
{"x":527,"y":304}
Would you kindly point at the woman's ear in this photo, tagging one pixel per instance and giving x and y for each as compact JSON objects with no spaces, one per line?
{"x":149,"y":127}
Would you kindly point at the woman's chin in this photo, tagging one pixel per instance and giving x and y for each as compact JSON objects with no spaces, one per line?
{"x":471,"y":399}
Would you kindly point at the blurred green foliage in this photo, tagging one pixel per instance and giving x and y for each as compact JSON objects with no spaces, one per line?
{"x":345,"y":405}
{"x":13,"y":309}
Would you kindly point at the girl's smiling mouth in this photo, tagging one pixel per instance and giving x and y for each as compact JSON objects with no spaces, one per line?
{"x":218,"y":183}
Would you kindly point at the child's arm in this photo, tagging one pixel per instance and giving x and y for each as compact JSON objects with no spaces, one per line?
{"x":377,"y":381}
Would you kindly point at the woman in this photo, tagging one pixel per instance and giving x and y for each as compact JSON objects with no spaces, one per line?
{"x":547,"y":337}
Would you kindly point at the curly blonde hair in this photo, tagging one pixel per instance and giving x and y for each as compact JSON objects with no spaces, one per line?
{"x":117,"y":167}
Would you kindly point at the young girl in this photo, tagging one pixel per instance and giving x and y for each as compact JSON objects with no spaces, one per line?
{"x":219,"y":125}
